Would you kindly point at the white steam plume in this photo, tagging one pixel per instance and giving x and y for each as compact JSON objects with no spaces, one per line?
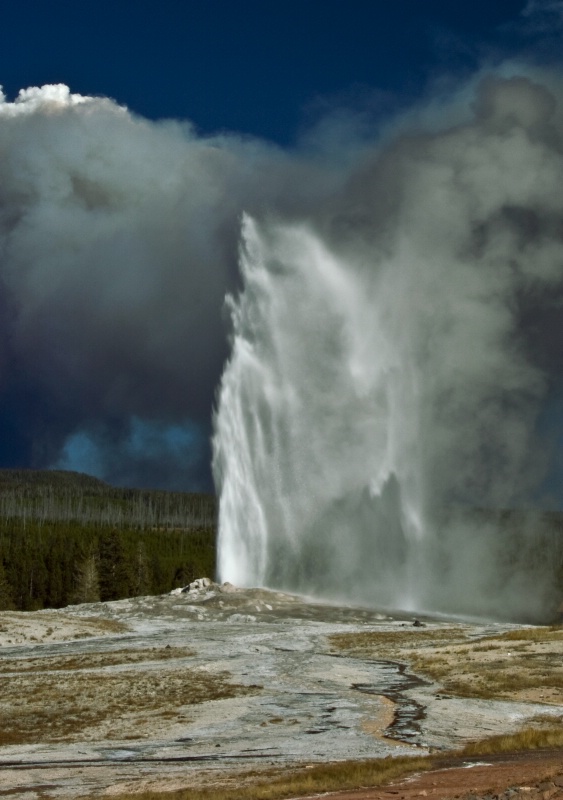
{"x":391,"y":361}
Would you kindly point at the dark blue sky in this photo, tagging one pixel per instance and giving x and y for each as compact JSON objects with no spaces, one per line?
{"x":259,"y":67}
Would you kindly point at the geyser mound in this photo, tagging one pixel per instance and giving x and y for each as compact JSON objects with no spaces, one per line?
{"x":389,"y":372}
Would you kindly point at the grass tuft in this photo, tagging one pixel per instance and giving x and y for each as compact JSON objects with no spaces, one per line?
{"x":527,"y":739}
{"x":540,"y":634}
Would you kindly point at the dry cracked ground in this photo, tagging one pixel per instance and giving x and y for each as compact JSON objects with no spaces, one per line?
{"x":221,"y":686}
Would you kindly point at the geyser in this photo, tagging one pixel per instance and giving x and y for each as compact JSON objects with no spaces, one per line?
{"x":389,"y":373}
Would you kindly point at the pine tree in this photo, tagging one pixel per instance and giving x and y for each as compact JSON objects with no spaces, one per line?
{"x":6,"y":601}
{"x":141,"y":572}
{"x":86,"y":580}
{"x":114,"y":567}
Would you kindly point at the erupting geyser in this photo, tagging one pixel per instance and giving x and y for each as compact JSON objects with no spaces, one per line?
{"x":389,"y":370}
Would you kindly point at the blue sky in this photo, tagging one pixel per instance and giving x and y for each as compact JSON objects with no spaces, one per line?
{"x":247,"y":69}
{"x":259,"y":67}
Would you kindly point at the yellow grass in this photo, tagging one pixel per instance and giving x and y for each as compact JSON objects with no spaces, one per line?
{"x":552,"y":633}
{"x":527,"y":739}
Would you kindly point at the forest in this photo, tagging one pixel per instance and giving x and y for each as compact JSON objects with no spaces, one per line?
{"x":66,"y":537}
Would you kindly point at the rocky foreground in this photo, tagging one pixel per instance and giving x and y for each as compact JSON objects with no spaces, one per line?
{"x":212,"y":685}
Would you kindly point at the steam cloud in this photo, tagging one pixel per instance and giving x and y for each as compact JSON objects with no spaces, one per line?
{"x":118,"y":241}
{"x":396,"y":364}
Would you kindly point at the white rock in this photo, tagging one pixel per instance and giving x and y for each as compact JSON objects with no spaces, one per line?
{"x":241,"y":618}
{"x":200,"y":583}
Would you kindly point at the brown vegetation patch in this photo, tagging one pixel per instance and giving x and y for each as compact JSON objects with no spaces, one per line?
{"x":24,"y":627}
{"x":99,"y":660}
{"x":378,"y":644}
{"x":553,"y":633}
{"x":541,"y":738}
{"x":81,"y":705}
{"x":524,"y":664}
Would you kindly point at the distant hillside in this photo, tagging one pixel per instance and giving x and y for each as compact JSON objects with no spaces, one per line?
{"x":31,"y":478}
{"x":57,"y":495}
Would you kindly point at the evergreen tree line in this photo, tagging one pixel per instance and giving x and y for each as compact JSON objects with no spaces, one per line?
{"x":54,"y":564}
{"x":59,"y":496}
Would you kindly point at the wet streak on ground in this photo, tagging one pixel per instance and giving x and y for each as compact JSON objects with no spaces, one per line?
{"x":408,"y":713}
{"x":134,"y":757}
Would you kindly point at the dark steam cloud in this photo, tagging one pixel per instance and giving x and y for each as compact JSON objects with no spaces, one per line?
{"x":118,"y":241}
